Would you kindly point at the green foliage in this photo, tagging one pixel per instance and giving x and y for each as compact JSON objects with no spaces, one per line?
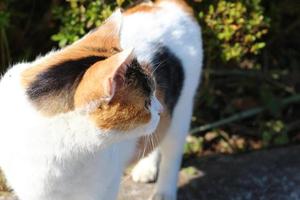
{"x":4,"y":47}
{"x":238,"y":26}
{"x":79,"y":17}
{"x":194,"y":145}
{"x":4,"y":19}
{"x":274,"y":133}
{"x":191,"y":171}
{"x":25,"y":30}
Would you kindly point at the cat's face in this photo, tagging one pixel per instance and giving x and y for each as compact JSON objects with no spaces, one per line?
{"x":125,"y":101}
{"x":96,"y":76}
{"x":133,"y":103}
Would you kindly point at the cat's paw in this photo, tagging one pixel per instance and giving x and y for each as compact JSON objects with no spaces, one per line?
{"x":145,"y":172}
{"x":161,"y":196}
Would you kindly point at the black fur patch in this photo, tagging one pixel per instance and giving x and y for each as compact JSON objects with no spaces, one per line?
{"x":135,"y":75}
{"x":60,"y":77}
{"x":113,"y":50}
{"x":169,"y":75}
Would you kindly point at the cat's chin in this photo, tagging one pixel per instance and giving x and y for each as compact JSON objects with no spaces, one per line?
{"x":150,"y":127}
{"x":115,"y":136}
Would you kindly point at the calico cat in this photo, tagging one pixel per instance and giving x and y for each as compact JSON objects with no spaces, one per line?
{"x":73,"y":120}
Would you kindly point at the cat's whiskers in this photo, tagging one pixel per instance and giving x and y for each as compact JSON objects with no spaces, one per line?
{"x":162,"y":86}
{"x":152,"y":143}
{"x":157,"y":66}
{"x":145,"y":146}
{"x":156,"y":139}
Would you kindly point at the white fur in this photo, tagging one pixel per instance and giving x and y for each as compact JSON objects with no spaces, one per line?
{"x":175,"y":29}
{"x":147,"y":169}
{"x":63,"y":157}
{"x":66,"y":157}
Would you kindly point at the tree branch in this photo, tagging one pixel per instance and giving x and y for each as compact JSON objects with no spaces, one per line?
{"x":243,"y":115}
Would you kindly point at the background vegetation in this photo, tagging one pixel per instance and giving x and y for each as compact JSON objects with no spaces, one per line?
{"x":249,"y":96}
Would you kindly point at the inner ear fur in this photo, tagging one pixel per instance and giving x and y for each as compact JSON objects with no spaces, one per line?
{"x":101,"y":81}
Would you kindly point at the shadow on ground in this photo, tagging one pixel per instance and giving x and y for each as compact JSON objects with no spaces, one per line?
{"x":265,"y":175}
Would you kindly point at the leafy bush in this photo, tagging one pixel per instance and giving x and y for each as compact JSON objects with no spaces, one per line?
{"x":239,"y":27}
{"x":79,"y":17}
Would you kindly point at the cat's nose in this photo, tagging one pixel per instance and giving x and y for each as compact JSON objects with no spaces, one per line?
{"x":158,"y":107}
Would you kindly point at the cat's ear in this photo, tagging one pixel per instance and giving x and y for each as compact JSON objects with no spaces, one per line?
{"x":101,"y":81}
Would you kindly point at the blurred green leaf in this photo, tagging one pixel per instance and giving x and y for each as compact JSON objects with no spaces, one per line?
{"x":281,"y":139}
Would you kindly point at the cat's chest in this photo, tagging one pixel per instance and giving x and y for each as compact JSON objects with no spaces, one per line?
{"x":90,"y":173}
{"x":85,"y":175}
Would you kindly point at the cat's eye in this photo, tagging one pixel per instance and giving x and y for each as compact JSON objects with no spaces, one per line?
{"x":147,"y":104}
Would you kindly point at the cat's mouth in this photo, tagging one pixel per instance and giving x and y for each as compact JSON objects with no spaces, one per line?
{"x":113,"y":136}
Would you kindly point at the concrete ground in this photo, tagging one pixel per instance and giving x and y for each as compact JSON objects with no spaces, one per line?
{"x":264,"y":175}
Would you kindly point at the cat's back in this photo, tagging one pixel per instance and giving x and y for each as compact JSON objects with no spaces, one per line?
{"x":11,"y":91}
{"x":16,"y":110}
{"x":166,"y":35}
{"x":165,"y":24}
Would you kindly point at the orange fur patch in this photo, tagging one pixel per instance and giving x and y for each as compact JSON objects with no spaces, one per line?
{"x":97,"y":82}
{"x":126,"y":111}
{"x":152,"y":7}
{"x":56,"y":103}
{"x":84,"y":48}
{"x":103,"y":41}
{"x":143,"y":7}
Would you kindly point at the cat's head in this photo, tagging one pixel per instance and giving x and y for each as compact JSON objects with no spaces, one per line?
{"x":96,"y":78}
{"x":119,"y":94}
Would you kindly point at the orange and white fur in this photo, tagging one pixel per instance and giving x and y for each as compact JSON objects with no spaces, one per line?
{"x":61,"y":140}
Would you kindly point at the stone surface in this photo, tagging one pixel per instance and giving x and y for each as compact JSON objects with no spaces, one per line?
{"x":264,"y":175}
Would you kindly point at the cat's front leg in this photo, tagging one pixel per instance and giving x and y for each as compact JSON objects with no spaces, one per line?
{"x":171,"y":150}
{"x":146,"y":170}
{"x":166,"y":186}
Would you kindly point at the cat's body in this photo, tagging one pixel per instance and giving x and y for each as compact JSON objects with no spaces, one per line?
{"x":159,"y":34}
{"x":61,"y":158}
{"x":54,"y":146}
